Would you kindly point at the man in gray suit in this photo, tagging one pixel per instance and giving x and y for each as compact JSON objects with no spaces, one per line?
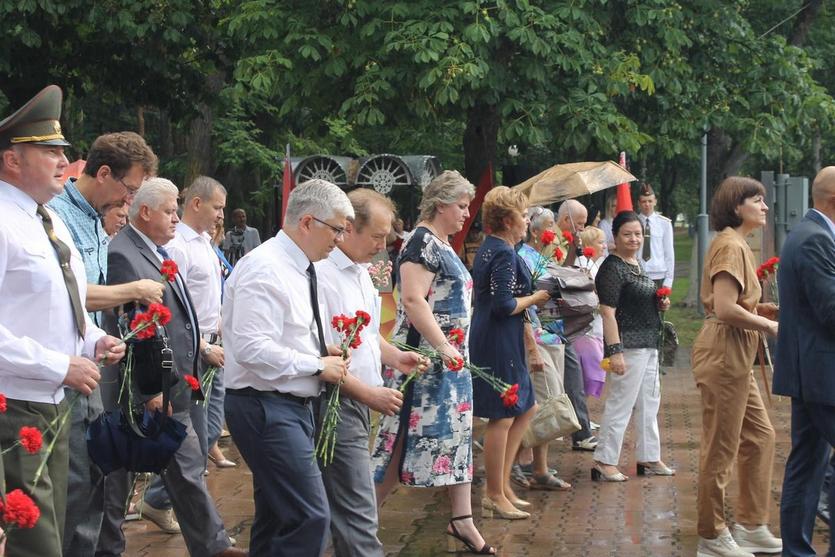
{"x":135,"y":253}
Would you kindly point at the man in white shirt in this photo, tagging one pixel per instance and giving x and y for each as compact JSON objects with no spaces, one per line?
{"x":346,"y":287}
{"x":656,"y":251}
{"x":47,"y":339}
{"x":191,"y":249}
{"x":277,"y":362}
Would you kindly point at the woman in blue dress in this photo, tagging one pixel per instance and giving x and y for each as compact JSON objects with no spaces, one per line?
{"x":502,"y":285}
{"x":429,"y":444}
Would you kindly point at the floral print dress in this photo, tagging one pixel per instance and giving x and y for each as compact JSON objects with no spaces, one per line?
{"x":436,"y":419}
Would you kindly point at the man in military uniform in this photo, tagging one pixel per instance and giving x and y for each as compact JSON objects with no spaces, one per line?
{"x":42,"y":281}
{"x":657,"y":253}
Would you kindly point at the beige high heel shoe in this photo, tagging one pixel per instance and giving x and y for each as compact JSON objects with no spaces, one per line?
{"x":489,"y":507}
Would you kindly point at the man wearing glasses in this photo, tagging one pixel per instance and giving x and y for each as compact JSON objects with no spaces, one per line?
{"x":277,"y":362}
{"x":116,"y":166}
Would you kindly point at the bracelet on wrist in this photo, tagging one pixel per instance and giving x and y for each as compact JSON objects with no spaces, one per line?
{"x":612,"y":349}
{"x":441,"y":345}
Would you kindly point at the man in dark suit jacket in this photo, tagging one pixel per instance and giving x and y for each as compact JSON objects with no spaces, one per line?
{"x":136,"y":253}
{"x":805,"y":362}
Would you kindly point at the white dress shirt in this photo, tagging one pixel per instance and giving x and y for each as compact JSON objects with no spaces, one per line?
{"x":38,"y":333}
{"x":200,"y":268}
{"x":662,"y":263}
{"x":346,"y":287}
{"x":269,"y":334}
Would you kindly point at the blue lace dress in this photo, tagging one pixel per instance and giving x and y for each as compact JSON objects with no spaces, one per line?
{"x":436,"y":419}
{"x":497,"y":336}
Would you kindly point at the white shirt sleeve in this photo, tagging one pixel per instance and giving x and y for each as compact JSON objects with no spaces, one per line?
{"x":669,"y":253}
{"x":25,"y":355}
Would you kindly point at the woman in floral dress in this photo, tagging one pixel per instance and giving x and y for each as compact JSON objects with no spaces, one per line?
{"x":429,"y":444}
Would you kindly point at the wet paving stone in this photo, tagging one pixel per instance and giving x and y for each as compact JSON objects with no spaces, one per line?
{"x":644,"y":517}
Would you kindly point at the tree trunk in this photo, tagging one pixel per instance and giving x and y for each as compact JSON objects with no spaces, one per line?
{"x":804,"y":22}
{"x":480,"y":138}
{"x":199,"y":139}
{"x":140,"y":120}
{"x":816,"y":150}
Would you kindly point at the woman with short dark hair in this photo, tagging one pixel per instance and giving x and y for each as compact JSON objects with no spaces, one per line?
{"x":631,"y":330}
{"x":735,"y":423}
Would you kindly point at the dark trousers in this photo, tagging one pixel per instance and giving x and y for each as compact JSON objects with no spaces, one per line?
{"x":350,"y":486}
{"x":50,"y":494}
{"x":576,"y":391}
{"x":275,"y":437}
{"x":813,"y":433}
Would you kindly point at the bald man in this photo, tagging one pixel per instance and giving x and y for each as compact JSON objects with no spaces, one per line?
{"x":804,"y":366}
{"x":571,"y":217}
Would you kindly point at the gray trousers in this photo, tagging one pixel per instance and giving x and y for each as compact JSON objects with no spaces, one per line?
{"x":350,"y":486}
{"x":156,"y":495}
{"x":576,"y":391}
{"x":85,"y":483}
{"x":215,"y":410}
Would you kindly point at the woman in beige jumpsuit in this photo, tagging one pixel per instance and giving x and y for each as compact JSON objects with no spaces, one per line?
{"x":735,"y":423}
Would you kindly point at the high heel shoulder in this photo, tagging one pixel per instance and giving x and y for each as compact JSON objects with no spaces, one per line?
{"x":598,"y":475}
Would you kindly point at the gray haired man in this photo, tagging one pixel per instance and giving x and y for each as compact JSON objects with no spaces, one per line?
{"x":277,"y":363}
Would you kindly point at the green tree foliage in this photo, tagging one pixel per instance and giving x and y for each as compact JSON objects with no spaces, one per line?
{"x":220,"y":86}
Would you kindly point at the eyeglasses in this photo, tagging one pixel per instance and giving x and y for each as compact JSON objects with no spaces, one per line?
{"x":338,"y":230}
{"x":131,"y":190}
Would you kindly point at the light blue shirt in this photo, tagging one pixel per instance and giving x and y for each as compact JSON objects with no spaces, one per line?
{"x":87,"y":233}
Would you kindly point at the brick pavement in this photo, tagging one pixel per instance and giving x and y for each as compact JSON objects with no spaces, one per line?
{"x":652,"y":517}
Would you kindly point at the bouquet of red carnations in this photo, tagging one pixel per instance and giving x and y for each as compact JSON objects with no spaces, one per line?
{"x":455,"y":337}
{"x":768,"y":270}
{"x":350,"y":329}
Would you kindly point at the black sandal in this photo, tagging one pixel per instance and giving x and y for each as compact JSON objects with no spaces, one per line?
{"x":452,"y":545}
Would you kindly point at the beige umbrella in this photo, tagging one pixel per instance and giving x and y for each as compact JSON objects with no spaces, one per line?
{"x":567,"y":181}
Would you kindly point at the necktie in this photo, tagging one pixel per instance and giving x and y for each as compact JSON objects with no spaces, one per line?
{"x":314,"y":301}
{"x":63,"y":252}
{"x":647,"y":251}
{"x":177,"y":280}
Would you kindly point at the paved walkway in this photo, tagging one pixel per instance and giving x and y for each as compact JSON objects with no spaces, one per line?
{"x":652,"y":517}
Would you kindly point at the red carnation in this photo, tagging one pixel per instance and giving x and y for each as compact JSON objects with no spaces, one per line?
{"x":160,"y":312}
{"x":456,"y":336}
{"x":192,"y":382}
{"x":355,"y":342}
{"x":547,"y":237}
{"x":761,"y":273}
{"x":19,"y":510}
{"x":31,"y":439}
{"x":509,"y":396}
{"x":169,"y":270}
{"x":588,"y":252}
{"x":362,"y":318}
{"x":558,"y":253}
{"x":456,"y":364}
{"x":338,"y":322}
{"x":663,"y":292}
{"x":569,"y":237}
{"x":143,"y":321}
{"x":2,"y":403}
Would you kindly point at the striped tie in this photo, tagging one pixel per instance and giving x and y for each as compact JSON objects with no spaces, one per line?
{"x":63,"y":252}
